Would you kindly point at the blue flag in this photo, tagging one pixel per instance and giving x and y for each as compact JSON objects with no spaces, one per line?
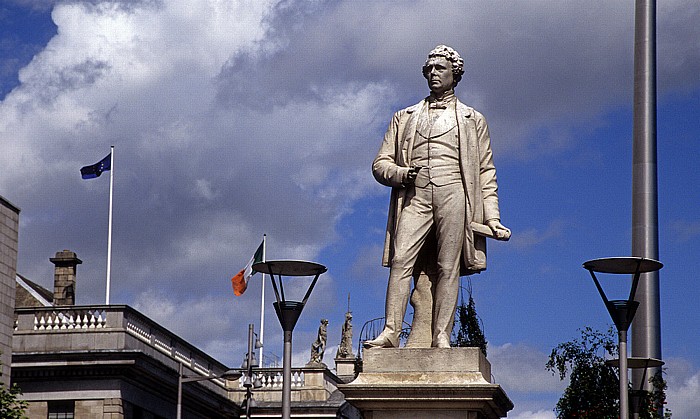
{"x":95,"y":170}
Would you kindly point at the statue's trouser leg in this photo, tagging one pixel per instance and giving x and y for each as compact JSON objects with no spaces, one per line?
{"x":425,"y":278}
{"x":449,"y":216}
{"x":421,"y":335}
{"x":414,"y":225}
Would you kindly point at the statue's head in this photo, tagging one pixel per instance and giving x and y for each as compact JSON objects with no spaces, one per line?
{"x":451,"y":56}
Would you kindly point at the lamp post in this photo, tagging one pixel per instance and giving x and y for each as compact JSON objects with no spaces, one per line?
{"x":622,"y":311}
{"x":250,"y":381}
{"x":636,"y":363}
{"x":288,"y":312}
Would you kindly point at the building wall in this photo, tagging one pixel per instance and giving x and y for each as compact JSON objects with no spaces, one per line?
{"x":84,"y":409}
{"x":9,"y":233}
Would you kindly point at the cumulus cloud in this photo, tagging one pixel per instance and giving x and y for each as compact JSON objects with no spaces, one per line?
{"x":532,"y":237}
{"x":520,"y":368}
{"x":683,"y":379}
{"x":540,"y":414}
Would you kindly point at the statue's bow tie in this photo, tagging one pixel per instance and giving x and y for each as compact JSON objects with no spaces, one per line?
{"x":438,"y":105}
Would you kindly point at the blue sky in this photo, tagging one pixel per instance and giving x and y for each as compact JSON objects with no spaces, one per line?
{"x":236,"y":119}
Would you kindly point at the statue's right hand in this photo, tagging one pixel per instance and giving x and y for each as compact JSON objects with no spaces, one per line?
{"x":411,"y":175}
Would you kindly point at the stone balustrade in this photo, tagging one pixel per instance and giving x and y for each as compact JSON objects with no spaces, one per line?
{"x":272,"y":378}
{"x":308,"y":384}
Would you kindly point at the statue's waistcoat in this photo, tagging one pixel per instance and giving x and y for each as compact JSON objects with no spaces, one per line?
{"x":436,"y":148}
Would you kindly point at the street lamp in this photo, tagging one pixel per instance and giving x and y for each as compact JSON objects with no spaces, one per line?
{"x":250,"y":381}
{"x":622,"y":311}
{"x":182,"y":378}
{"x":637,"y":396}
{"x":288,"y":312}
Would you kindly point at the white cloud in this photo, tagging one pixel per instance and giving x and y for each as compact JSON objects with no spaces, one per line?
{"x":233,"y":112}
{"x":521,"y":368}
{"x":532,"y":237}
{"x":540,"y":414}
{"x":683,"y":381}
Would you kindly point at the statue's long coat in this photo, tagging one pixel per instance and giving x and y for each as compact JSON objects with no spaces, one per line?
{"x":478,"y":177}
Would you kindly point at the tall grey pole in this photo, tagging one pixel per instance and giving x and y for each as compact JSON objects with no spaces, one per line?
{"x":178,"y":415}
{"x":646,"y":328}
{"x":624,"y":381}
{"x":249,"y":371}
{"x":287,"y":376}
{"x":109,"y":224}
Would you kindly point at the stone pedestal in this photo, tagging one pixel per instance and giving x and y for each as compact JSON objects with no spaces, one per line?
{"x":345,"y":368}
{"x":426,"y":383}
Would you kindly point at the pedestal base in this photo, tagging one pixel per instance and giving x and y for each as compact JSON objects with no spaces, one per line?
{"x":426,"y":383}
{"x":345,"y":368}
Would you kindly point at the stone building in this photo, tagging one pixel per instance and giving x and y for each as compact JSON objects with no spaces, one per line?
{"x":111,"y":361}
{"x":105,"y":361}
{"x":9,"y":234}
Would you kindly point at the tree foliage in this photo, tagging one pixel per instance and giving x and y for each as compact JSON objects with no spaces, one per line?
{"x":593,"y":390}
{"x":467,"y":331}
{"x":11,"y":406}
{"x":594,"y":387}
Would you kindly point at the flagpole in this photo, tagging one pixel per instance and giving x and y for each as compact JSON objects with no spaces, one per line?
{"x":262,"y":302}
{"x":109,"y":228}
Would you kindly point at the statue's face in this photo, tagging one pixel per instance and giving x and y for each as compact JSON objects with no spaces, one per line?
{"x":439,"y":75}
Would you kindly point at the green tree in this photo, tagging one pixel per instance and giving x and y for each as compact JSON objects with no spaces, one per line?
{"x":11,"y":406}
{"x":654,"y":403}
{"x":467,"y":331}
{"x":594,"y":387}
{"x":593,"y":390}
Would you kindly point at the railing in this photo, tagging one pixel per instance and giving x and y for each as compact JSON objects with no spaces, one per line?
{"x":372,"y":328}
{"x":116,"y":319}
{"x":70,"y":319}
{"x":308,"y":383}
{"x":272,"y":378}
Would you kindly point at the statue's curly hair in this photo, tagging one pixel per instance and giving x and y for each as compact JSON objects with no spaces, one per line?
{"x":452,"y":56}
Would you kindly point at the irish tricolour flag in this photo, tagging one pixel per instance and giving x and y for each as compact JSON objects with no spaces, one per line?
{"x":240,"y":281}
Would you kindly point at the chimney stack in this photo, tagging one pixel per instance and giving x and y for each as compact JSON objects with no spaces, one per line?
{"x":64,"y":277}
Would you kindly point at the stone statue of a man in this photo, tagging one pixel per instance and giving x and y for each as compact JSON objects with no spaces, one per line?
{"x":318,"y":348}
{"x":436,"y":156}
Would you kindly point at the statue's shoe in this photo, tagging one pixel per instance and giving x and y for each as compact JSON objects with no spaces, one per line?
{"x":381,"y":341}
